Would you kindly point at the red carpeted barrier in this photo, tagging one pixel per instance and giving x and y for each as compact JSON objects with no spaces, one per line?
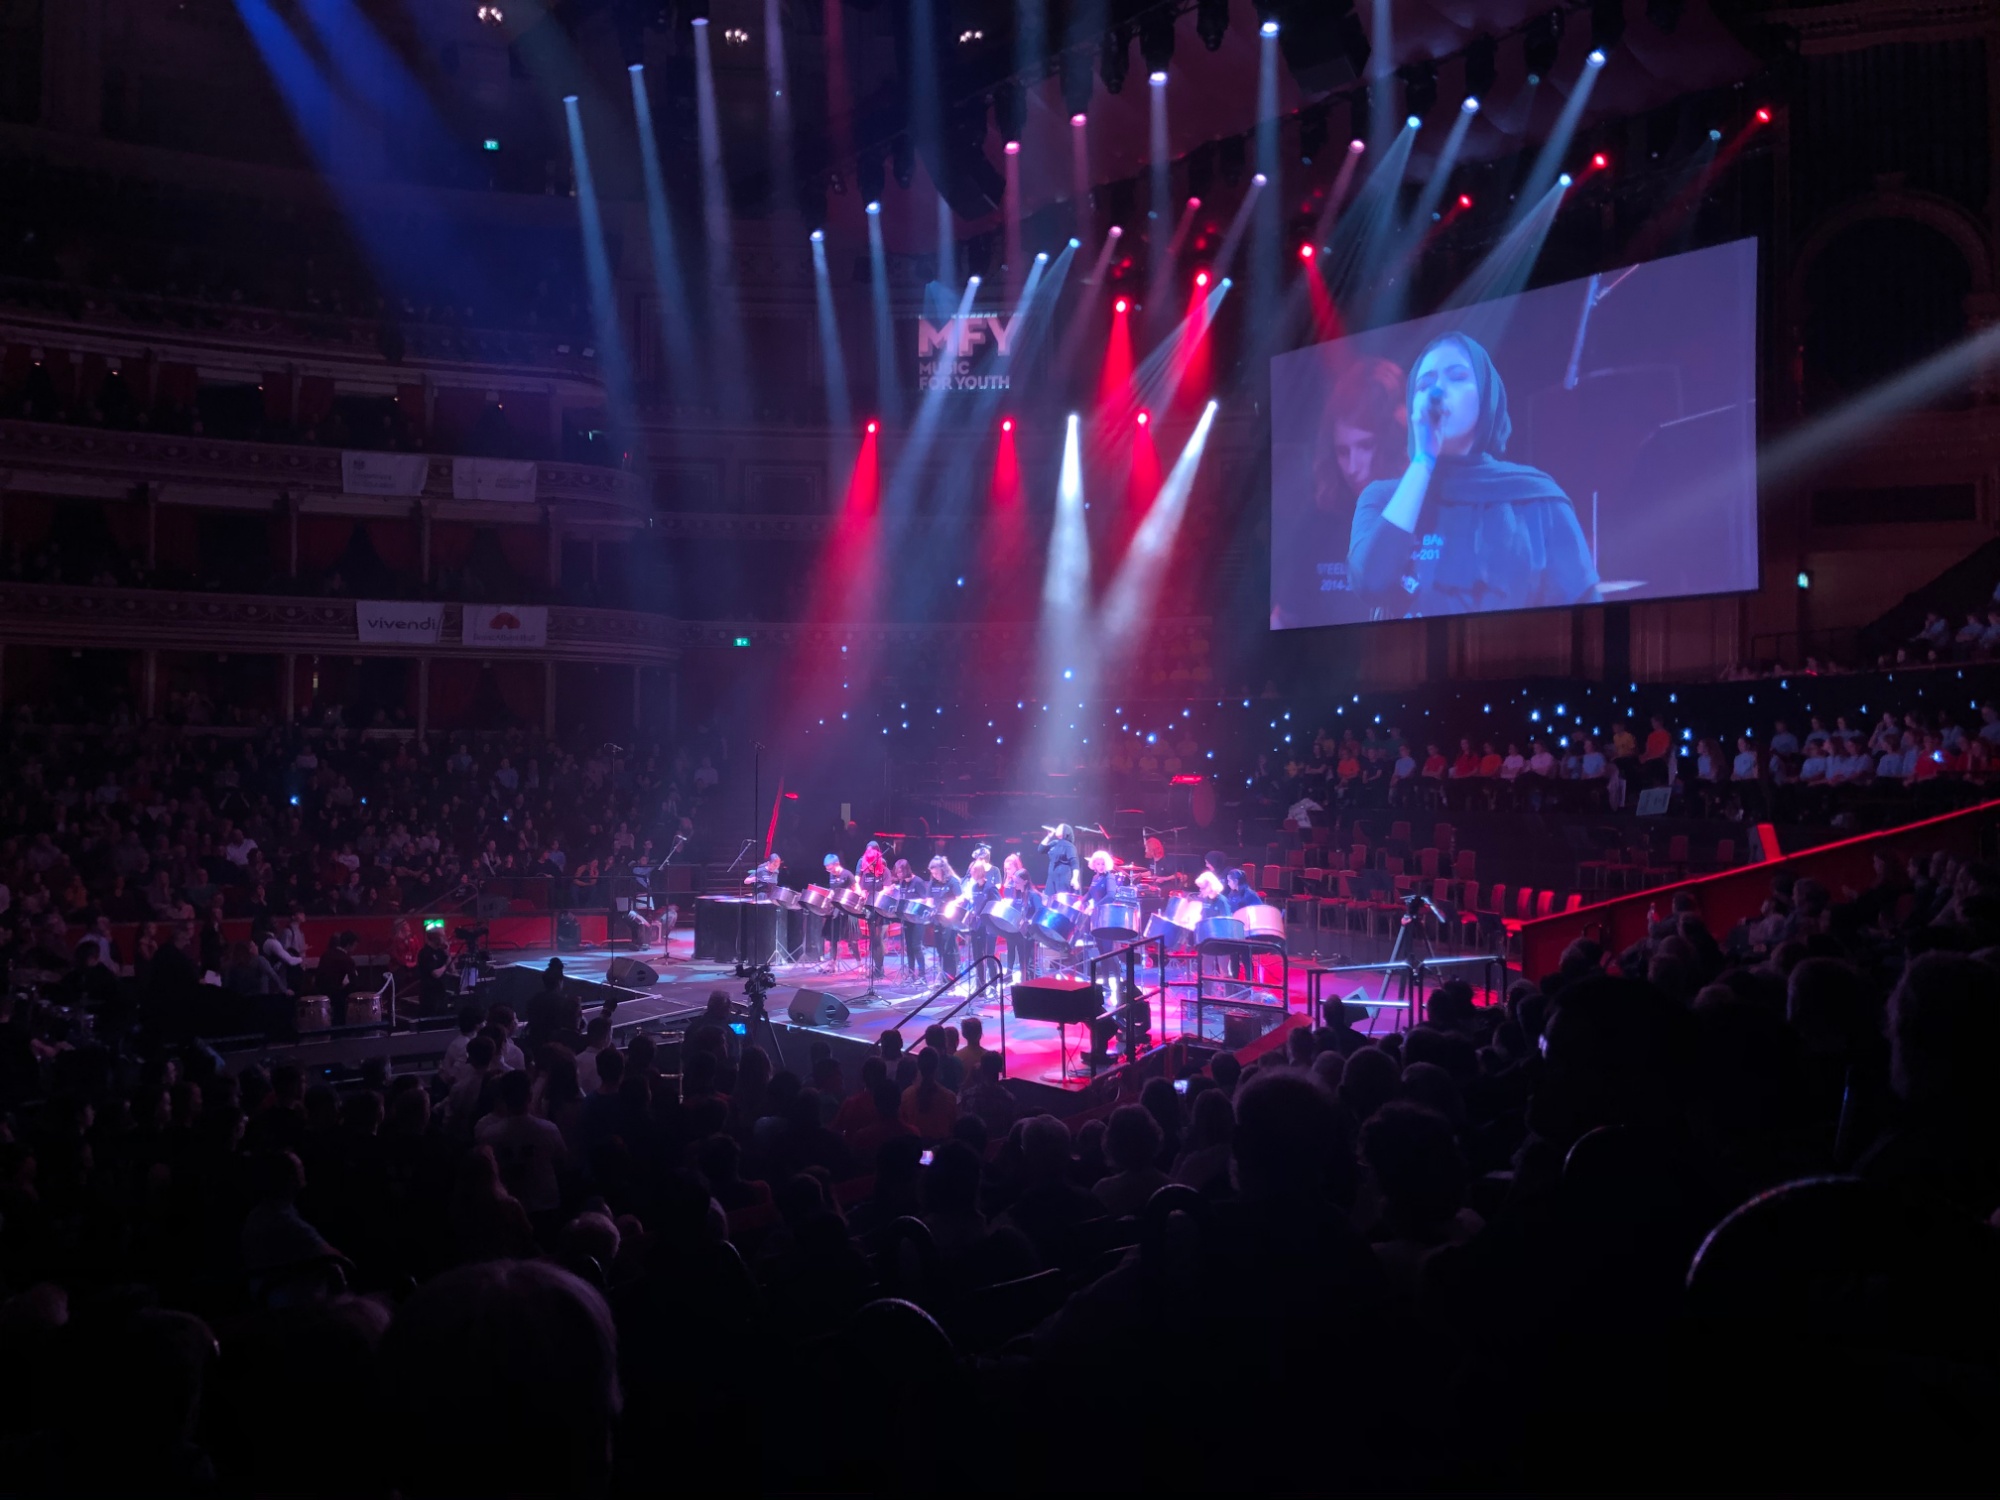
{"x":1733,"y":895}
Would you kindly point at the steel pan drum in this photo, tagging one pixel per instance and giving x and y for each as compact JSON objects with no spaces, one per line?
{"x":1265,"y":924}
{"x":1057,"y":927}
{"x":1008,"y":914}
{"x":1219,"y":930}
{"x":1117,"y":921}
{"x":887,"y":903}
{"x":788,"y":898}
{"x":959,"y":914}
{"x":918,"y":911}
{"x":852,"y":900}
{"x":818,"y":900}
{"x":1067,"y":900}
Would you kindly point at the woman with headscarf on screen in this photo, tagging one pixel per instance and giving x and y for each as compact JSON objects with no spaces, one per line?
{"x":1464,"y":530}
{"x":1362,"y":440}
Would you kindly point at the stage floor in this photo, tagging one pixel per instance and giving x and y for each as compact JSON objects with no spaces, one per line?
{"x":1037,"y":1052}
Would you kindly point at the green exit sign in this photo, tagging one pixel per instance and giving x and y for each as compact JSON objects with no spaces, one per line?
{"x":491,"y":144}
{"x":743,"y":640}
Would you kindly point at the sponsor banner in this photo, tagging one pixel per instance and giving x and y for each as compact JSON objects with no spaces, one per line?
{"x":506,"y":625}
{"x":966,"y":352}
{"x":406,"y":622}
{"x":492,"y":479}
{"x":384,"y":473}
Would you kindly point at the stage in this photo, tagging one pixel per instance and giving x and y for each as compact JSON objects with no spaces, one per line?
{"x":1220,"y":1015}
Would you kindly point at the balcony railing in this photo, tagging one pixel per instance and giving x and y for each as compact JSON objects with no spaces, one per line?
{"x":62,"y":454}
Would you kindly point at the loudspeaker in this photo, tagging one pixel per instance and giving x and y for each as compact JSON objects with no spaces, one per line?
{"x":816,"y":1008}
{"x":630,"y":973}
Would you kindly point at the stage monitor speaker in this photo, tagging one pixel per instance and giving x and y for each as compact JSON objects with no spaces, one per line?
{"x":816,"y":1008}
{"x":630,"y":973}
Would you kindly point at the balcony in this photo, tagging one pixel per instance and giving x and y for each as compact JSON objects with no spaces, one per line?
{"x":105,"y":463}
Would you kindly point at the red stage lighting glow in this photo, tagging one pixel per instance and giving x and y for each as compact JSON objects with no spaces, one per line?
{"x":1763,"y":116}
{"x":1305,"y":252}
{"x":1600,"y":161}
{"x":1465,"y":200}
{"x":1144,"y":418}
{"x":1079,"y":120}
{"x":1201,"y":278}
{"x":1006,"y":424}
{"x":871,"y":426}
{"x":1194,"y":203}
{"x":1120,"y":305}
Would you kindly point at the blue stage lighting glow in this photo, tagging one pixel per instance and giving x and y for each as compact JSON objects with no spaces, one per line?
{"x":1564,"y":180}
{"x":874,"y":208}
{"x":1157,"y":78}
{"x":1471,"y":106}
{"x":819,"y":236}
{"x":1269,"y":28}
{"x":1596,"y":58}
{"x":1413,"y":123}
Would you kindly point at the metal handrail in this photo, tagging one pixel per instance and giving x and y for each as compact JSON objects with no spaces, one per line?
{"x":980,"y":989}
{"x":924,"y":1004}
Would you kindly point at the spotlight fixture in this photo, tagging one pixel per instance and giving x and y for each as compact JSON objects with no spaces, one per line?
{"x":1465,"y":200}
{"x":1420,"y":88}
{"x":972,"y":281}
{"x":1268,"y":29}
{"x":1157,"y":78}
{"x":1144,"y":418}
{"x":1715,"y":135}
{"x":569,"y":98}
{"x":1006,"y":424}
{"x":1763,"y":115}
{"x":1312,"y":133}
{"x":1201,"y":278}
{"x":490,"y":15}
{"x":1305,"y":252}
{"x":1156,"y":40}
{"x":1413,"y":123}
{"x":1482,"y":66}
{"x":1211,"y":22}
{"x":818,"y":236}
{"x":1113,"y":59}
{"x":735,"y":36}
{"x":1596,"y":58}
{"x":1078,"y":83}
{"x":1258,"y":179}
{"x":874,"y":206}
{"x":968,"y":37}
{"x":1470,"y":106}
{"x":871,"y":424}
{"x":1193,"y":204}
{"x":696,"y":11}
{"x":1012,"y":148}
{"x":1541,"y":43}
{"x":1607,"y":26}
{"x":1079,"y":120}
{"x":1564,"y":180}
{"x":1599,"y":161}
{"x":1356,"y":146}
{"x":1116,"y":230}
{"x":1010,"y":110}
{"x":1121,"y":305}
{"x":1075,"y":243}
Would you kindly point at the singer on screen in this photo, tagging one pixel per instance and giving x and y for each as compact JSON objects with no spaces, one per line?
{"x":1463,"y":529}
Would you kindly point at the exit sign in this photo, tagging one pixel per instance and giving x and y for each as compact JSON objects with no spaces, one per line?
{"x":491,"y":144}
{"x":743,"y":640}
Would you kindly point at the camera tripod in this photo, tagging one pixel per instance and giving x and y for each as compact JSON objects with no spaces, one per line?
{"x":757,"y":984}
